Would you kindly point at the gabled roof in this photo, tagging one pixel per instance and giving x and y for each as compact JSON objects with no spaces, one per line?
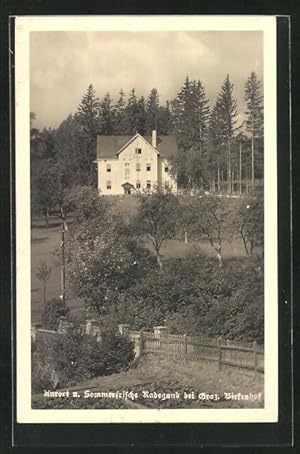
{"x":109,"y":146}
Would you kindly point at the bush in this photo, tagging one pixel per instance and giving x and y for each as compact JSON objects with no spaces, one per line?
{"x":52,"y":311}
{"x":76,"y":356}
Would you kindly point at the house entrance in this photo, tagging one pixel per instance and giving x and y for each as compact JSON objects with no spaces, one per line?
{"x":128,"y":188}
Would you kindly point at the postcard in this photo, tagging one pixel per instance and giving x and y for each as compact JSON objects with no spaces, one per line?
{"x":146,"y":219}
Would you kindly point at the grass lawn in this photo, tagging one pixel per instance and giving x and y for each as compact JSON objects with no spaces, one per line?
{"x":157,"y":374}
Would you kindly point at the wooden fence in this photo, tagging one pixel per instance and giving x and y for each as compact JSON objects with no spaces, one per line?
{"x":224,"y":352}
{"x":187,"y":348}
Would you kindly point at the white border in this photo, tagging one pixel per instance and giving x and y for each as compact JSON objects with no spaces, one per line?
{"x":23,"y":26}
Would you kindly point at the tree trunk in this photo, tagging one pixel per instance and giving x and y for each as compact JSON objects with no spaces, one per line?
{"x":252,"y":160}
{"x":240,"y":170}
{"x":47,"y":218}
{"x":158,"y":258}
{"x":218,"y":171}
{"x":220,"y":259}
{"x":186,"y":237}
{"x":229,"y":169}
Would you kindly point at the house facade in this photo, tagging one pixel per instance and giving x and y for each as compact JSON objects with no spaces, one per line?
{"x":128,"y":165}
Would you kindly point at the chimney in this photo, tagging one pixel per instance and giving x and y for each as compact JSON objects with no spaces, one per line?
{"x":154,"y":138}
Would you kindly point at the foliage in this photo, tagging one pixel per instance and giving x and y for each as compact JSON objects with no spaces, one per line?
{"x":157,"y":218}
{"x":43,"y":274}
{"x":213,"y":219}
{"x":190,"y":112}
{"x":52,"y":311}
{"x":254,"y":122}
{"x":76,"y":356}
{"x":103,"y":259}
{"x":249,"y":223}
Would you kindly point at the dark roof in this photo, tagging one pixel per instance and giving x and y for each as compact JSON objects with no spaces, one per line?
{"x":108,"y":146}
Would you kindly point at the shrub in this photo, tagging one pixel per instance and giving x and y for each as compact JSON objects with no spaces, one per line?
{"x":52,"y":311}
{"x":76,"y":356}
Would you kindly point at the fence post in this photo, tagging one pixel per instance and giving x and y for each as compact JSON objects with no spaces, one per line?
{"x":123,"y":328}
{"x":159,"y":332}
{"x":219,"y":354}
{"x":255,"y":357}
{"x":185,"y":348}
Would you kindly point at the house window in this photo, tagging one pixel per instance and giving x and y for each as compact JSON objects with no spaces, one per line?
{"x":108,"y":185}
{"x":138,"y":151}
{"x":148,"y":167}
{"x":166,"y":169}
{"x":148,"y":184}
{"x":138,"y":185}
{"x":108,"y":167}
{"x":138,"y":166}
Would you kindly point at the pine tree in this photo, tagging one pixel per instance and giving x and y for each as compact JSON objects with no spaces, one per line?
{"x":254,"y":122}
{"x":164,"y":120}
{"x":201,"y":106}
{"x":227,"y":106}
{"x":88,"y":117}
{"x":215,"y":146}
{"x":183,"y":116}
{"x":141,"y":117}
{"x":107,"y":115}
{"x":119,"y":115}
{"x":153,"y":110}
{"x":88,"y":112}
{"x":131,"y":113}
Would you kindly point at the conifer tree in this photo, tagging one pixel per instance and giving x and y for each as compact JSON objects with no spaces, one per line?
{"x":88,"y":112}
{"x":88,"y":117}
{"x":183,"y":116}
{"x":254,"y":122}
{"x":227,"y":106}
{"x":119,"y":115}
{"x":106,"y":115}
{"x":153,"y":111}
{"x":141,"y":116}
{"x":131,"y":113}
{"x":164,"y":119}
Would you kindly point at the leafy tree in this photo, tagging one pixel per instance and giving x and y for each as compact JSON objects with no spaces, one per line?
{"x":43,"y":189}
{"x":72,"y":151}
{"x":102,"y":258}
{"x":249,"y":223}
{"x":254,"y":122}
{"x":188,"y":215}
{"x":77,"y":356}
{"x":52,"y":311}
{"x":157,"y":218}
{"x":214,"y":221}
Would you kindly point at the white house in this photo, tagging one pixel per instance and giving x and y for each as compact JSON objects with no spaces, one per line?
{"x":127,"y":164}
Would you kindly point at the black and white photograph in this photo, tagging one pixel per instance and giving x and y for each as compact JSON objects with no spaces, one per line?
{"x":146,"y":219}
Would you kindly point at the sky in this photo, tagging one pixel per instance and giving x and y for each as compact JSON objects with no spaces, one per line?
{"x":63,"y":64}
